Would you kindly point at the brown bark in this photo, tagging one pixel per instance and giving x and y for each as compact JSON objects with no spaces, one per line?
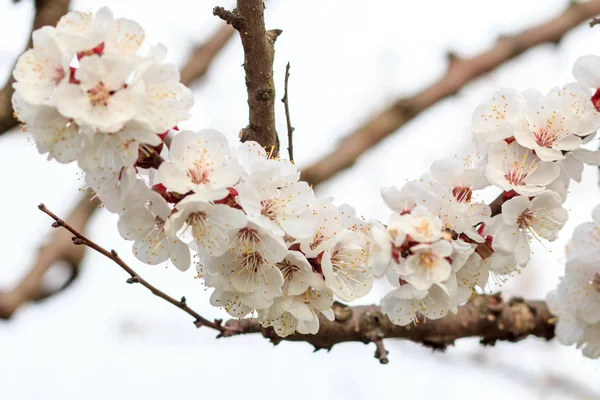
{"x":460,"y":72}
{"x":248,"y":19}
{"x":486,"y":317}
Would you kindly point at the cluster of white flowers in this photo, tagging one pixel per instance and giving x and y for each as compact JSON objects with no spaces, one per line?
{"x":86,"y":94}
{"x":576,"y":300}
{"x":261,"y":238}
{"x":440,"y":244}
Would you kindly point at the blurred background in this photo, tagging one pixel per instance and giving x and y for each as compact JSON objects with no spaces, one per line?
{"x":104,"y":339}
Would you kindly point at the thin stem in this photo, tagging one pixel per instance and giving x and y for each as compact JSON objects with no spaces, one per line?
{"x":286,"y":104}
{"x":80,"y":239}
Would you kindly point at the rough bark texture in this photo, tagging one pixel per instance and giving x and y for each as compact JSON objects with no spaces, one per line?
{"x":47,"y":12}
{"x":459,"y":73}
{"x":248,"y":19}
{"x":487,"y":317}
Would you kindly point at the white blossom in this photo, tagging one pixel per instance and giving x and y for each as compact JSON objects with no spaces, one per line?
{"x":541,"y":217}
{"x":513,"y":167}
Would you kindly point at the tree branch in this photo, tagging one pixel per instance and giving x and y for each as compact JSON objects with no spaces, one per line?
{"x":80,"y":239}
{"x":203,"y":55}
{"x":460,"y":72}
{"x":487,"y":317}
{"x":47,"y":12}
{"x":58,"y":249}
{"x":258,"y":43}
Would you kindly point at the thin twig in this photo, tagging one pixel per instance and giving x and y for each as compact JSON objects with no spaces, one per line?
{"x":80,"y":239}
{"x":286,"y":104}
{"x":460,"y":72}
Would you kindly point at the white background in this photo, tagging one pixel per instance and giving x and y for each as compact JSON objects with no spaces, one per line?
{"x":104,"y":339}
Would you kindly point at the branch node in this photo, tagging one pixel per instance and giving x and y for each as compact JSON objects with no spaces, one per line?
{"x":231,"y":17}
{"x":380,"y":351}
{"x":77,"y":240}
{"x":183,"y":301}
{"x":341,"y":312}
{"x":273,"y":34}
{"x":133,"y":279}
{"x":114,"y":253}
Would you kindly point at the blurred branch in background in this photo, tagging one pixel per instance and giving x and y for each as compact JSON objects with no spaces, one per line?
{"x":460,"y":72}
{"x":60,"y":247}
{"x":546,"y":382}
{"x":47,"y":12}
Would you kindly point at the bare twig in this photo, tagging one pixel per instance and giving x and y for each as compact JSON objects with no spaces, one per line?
{"x":59,"y":248}
{"x":80,"y":239}
{"x":485,"y":316}
{"x":286,"y":104}
{"x":47,"y":12}
{"x":258,"y":43}
{"x":460,"y":72}
{"x":203,"y":55}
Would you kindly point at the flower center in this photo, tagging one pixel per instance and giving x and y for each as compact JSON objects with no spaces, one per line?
{"x":288,"y":269}
{"x":99,"y":95}
{"x":516,"y":174}
{"x":427,"y":259}
{"x":198,"y":175}
{"x":249,"y":241}
{"x":197,"y":221}
{"x":462,"y":194}
{"x":525,"y":220}
{"x":423,"y":228}
{"x":544,"y":137}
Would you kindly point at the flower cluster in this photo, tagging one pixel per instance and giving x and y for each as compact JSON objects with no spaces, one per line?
{"x":86,"y":94}
{"x":440,"y":244}
{"x":576,"y":300}
{"x":433,"y":247}
{"x":259,"y":237}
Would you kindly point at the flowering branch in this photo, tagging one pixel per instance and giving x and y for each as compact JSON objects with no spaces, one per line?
{"x":47,"y":12}
{"x":248,"y":19}
{"x":460,"y":72}
{"x":488,"y":317}
{"x":60,"y":247}
{"x":80,"y":239}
